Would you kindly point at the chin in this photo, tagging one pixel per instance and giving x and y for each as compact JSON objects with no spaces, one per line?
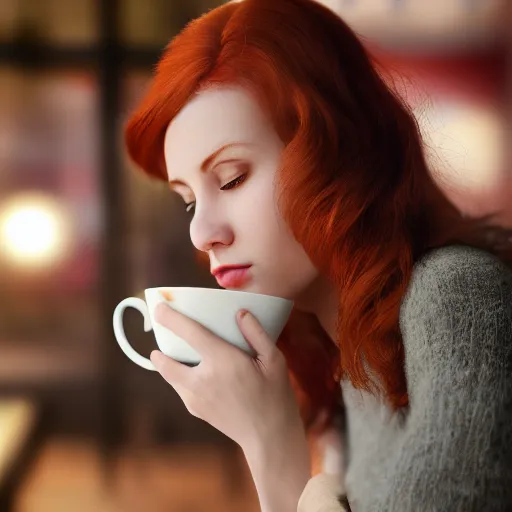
{"x":274,"y":292}
{"x":239,"y":288}
{"x":254,"y":287}
{"x":249,"y":288}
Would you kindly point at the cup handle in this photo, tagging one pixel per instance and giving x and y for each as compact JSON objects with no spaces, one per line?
{"x":139,"y":305}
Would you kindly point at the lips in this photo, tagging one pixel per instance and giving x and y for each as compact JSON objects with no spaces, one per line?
{"x":232,"y":277}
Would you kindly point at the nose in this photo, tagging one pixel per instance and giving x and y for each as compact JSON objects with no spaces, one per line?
{"x":209,"y":229}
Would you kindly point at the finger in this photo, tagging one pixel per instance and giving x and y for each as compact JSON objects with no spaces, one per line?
{"x":196,"y":335}
{"x":177,"y":374}
{"x":255,"y":334}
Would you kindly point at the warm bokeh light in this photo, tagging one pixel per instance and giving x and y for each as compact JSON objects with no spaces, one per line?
{"x":466,"y":142}
{"x":440,"y":24}
{"x":34,"y":230}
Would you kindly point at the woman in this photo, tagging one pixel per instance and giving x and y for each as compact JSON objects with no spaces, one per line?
{"x":270,"y":121}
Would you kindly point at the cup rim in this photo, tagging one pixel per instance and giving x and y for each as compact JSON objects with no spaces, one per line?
{"x":218,"y":290}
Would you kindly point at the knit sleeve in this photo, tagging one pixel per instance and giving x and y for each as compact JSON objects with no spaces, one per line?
{"x":456,"y":451}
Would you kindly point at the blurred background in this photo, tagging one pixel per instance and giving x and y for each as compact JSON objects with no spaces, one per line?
{"x":81,"y":427}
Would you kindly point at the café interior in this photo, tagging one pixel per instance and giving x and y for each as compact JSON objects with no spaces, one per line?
{"x":82,"y":428}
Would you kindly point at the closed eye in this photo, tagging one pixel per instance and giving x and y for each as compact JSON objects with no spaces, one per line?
{"x":228,"y":186}
{"x":234,"y":183}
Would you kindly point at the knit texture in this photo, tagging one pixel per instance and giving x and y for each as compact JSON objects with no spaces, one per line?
{"x":451,"y":449}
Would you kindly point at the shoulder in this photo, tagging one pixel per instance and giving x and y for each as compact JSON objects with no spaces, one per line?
{"x":456,"y":316}
{"x":449,"y":267}
{"x":456,"y":325}
{"x":456,"y":276}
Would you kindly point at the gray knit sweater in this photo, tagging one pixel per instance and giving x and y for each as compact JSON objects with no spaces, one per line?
{"x":451,"y":449}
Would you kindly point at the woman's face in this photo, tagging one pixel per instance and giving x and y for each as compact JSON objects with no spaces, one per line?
{"x":222,"y":155}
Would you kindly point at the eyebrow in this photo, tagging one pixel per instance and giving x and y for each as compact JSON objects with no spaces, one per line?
{"x":208,"y":161}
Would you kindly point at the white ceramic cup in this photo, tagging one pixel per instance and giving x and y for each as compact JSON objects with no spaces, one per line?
{"x":214,"y":308}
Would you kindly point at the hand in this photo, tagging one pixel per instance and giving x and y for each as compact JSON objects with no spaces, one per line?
{"x":249,"y":399}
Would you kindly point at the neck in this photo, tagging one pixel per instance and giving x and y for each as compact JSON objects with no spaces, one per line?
{"x":321,"y":300}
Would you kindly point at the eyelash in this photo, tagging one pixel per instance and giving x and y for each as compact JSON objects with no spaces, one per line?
{"x":228,"y":186}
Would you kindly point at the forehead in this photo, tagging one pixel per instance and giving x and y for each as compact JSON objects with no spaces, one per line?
{"x":211,"y":119}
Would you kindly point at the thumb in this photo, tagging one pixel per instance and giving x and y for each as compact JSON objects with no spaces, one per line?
{"x":254,"y":333}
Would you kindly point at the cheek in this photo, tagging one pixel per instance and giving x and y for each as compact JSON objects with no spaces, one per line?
{"x":285,"y":257}
{"x":254,"y":210}
{"x":260,"y":225}
{"x":291,"y":273}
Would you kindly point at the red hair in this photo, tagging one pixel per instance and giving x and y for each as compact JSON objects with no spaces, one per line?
{"x":354,"y":186}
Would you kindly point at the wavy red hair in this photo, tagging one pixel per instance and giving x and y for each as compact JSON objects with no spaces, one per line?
{"x":353,"y":186}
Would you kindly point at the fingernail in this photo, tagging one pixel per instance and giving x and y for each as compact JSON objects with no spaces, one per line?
{"x":242,"y":313}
